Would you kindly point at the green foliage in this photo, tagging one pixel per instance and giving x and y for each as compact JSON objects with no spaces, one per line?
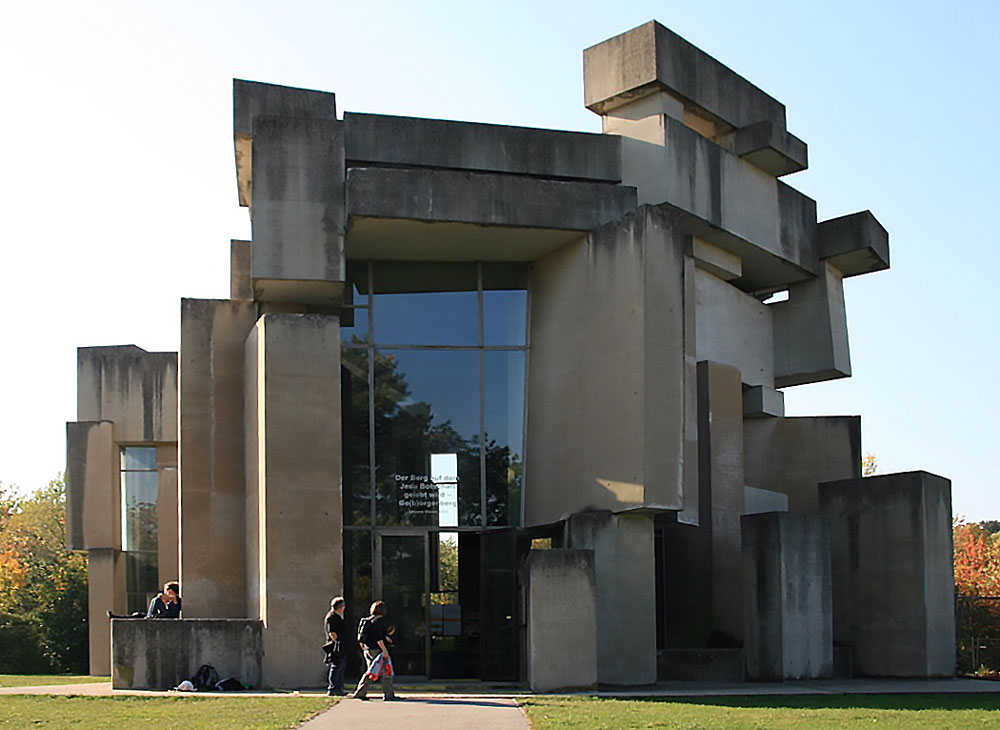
{"x":42,"y":583}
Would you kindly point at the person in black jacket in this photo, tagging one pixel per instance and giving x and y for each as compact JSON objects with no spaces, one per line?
{"x":375,"y":641}
{"x":166,"y":604}
{"x":334,"y":628}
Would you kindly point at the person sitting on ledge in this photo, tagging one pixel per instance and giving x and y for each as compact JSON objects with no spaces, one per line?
{"x":166,"y":604}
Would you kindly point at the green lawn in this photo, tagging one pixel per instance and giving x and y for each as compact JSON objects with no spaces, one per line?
{"x":826,"y":712}
{"x":163,"y":713}
{"x":30,"y":680}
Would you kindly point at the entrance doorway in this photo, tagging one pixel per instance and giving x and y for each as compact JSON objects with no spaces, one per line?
{"x":451,"y":597}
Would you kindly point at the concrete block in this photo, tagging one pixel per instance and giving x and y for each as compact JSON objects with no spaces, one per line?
{"x":771,"y":148}
{"x":787,"y":605}
{"x":240,"y":278}
{"x":93,"y":504}
{"x":607,"y":405}
{"x":626,"y":655}
{"x":160,"y":653}
{"x":105,"y":592}
{"x":759,"y":401}
{"x":298,"y":214}
{"x":485,"y":199}
{"x":252,"y":99}
{"x":720,"y":470}
{"x":561,"y":620}
{"x":135,"y":389}
{"x":756,"y":501}
{"x":375,"y":139}
{"x":893,"y":580}
{"x":715,"y":260}
{"x":855,"y":243}
{"x":733,"y":328}
{"x":167,"y":513}
{"x":793,"y":455}
{"x":650,"y":58}
{"x":810,"y":331}
{"x":211,"y":480}
{"x":296,"y":417}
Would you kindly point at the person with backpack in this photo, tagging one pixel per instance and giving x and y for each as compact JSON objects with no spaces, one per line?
{"x":334,"y":629}
{"x":374,"y":642}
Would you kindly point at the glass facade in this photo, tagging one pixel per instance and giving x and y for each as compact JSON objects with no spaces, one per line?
{"x":433,"y":364}
{"x":139,"y":524}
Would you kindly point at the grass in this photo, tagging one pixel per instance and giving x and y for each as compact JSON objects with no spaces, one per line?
{"x":825,"y":712}
{"x":32,"y":680}
{"x":163,"y":713}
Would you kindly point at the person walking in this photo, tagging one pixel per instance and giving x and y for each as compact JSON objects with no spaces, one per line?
{"x":374,"y":642}
{"x":334,"y":628}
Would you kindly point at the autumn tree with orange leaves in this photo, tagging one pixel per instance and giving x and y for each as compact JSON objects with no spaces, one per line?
{"x":977,"y":577}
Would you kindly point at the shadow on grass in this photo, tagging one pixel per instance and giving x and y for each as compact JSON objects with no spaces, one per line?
{"x":985,"y":701}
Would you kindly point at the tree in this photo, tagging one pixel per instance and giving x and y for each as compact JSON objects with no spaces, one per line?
{"x":977,"y":577}
{"x":43,"y":585}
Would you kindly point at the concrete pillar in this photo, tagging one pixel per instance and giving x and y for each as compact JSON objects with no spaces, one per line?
{"x":168,"y":532}
{"x":893,"y":582}
{"x":213,"y":540}
{"x":626,"y":619}
{"x":720,"y":455}
{"x":787,"y":605}
{"x":294,"y":508}
{"x":105,"y":592}
{"x":561,"y":620}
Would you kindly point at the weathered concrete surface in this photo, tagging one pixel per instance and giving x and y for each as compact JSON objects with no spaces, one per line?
{"x":135,"y":389}
{"x":793,"y":455}
{"x":240,"y":276}
{"x":105,"y":592}
{"x":788,"y":611}
{"x":761,"y":401}
{"x":213,"y":566}
{"x":253,"y":99}
{"x":167,"y":522}
{"x":626,"y":599}
{"x":720,"y":471}
{"x":810,"y":331}
{"x":93,"y":504}
{"x":436,"y":143}
{"x":893,"y":577}
{"x":160,"y":653}
{"x":298,"y":212}
{"x":855,"y":244}
{"x":768,"y":146}
{"x":607,"y":409}
{"x":561,"y":619}
{"x":734,"y":328}
{"x":293,"y":418}
{"x":484,"y":198}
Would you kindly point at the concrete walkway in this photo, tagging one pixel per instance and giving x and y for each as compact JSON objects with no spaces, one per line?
{"x":424,"y":712}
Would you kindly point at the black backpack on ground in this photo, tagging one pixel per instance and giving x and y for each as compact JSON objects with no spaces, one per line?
{"x":205,"y":678}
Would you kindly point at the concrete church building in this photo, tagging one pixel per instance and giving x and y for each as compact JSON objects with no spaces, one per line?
{"x":449,"y":343}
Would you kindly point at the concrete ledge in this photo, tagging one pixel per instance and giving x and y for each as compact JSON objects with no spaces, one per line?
{"x":160,"y":653}
{"x":760,"y":401}
{"x":485,"y":199}
{"x":855,"y":244}
{"x":651,"y":57}
{"x":409,"y":141}
{"x":771,"y":148}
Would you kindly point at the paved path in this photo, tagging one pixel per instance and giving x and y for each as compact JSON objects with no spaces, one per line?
{"x":423,"y":712}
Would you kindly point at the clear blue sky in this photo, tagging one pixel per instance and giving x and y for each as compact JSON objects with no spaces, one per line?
{"x":118,"y":192}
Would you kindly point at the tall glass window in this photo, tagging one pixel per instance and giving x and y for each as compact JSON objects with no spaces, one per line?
{"x":433,"y":364}
{"x":139,"y":524}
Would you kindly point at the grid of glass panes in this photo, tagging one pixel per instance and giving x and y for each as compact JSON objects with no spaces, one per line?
{"x":434,"y":360}
{"x":139,"y":524}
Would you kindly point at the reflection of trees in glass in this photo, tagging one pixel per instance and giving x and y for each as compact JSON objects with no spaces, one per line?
{"x":405,"y":436}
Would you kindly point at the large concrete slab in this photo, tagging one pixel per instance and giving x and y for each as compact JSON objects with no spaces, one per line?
{"x":608,"y":412}
{"x":788,"y":612}
{"x":93,"y":501}
{"x":626,"y":619}
{"x":160,"y":653}
{"x":408,"y":141}
{"x":561,"y":620}
{"x":293,"y":488}
{"x":893,"y":583}
{"x":213,"y":566}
